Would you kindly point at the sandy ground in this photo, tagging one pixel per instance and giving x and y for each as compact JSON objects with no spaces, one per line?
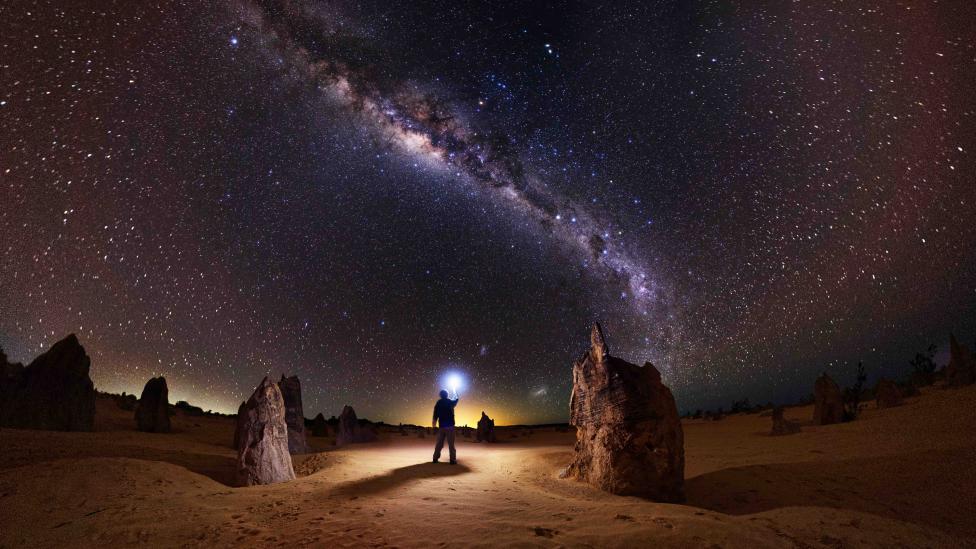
{"x":902,"y":477}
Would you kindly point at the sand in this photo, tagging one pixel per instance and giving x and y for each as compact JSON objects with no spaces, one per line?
{"x":900,"y":477}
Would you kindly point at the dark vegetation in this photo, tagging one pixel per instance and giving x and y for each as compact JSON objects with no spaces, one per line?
{"x":924,"y":372}
{"x":853,"y":394}
{"x":923,"y":368}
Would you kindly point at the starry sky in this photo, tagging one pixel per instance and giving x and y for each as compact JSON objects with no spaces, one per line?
{"x":368,"y":194}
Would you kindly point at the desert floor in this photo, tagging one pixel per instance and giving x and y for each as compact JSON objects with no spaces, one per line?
{"x":896,"y":477}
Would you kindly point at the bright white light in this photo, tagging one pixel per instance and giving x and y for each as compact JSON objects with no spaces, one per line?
{"x":454,"y":382}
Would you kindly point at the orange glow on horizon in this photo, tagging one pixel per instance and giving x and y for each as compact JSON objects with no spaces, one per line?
{"x":468,"y":412}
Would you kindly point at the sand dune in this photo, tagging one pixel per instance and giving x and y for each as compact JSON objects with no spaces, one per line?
{"x":896,"y":477}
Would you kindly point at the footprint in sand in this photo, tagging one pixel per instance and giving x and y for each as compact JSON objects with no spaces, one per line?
{"x":545,"y":532}
{"x":663,"y":522}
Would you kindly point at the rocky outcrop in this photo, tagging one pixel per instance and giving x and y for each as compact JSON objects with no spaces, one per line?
{"x":320,"y":427}
{"x":486,"y":429}
{"x":629,"y":437}
{"x":961,"y":369}
{"x":262,"y":455}
{"x":152,"y":412}
{"x":291,"y":392}
{"x":54,"y":392}
{"x":781,"y":425}
{"x":828,"y":401}
{"x":887,"y":394}
{"x":350,"y":430}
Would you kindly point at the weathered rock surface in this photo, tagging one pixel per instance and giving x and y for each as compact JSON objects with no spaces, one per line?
{"x":291,"y":392}
{"x":350,"y":430}
{"x":961,"y":369}
{"x":887,"y":394}
{"x":152,"y":412}
{"x":53,"y":393}
{"x":320,"y":427}
{"x":486,"y":429}
{"x":629,"y":439}
{"x":781,"y":425}
{"x":828,"y":401}
{"x":262,"y":456}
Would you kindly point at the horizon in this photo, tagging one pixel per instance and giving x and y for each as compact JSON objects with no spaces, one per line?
{"x":500,"y":416}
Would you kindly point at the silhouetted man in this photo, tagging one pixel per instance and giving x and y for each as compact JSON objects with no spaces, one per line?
{"x":444,"y":413}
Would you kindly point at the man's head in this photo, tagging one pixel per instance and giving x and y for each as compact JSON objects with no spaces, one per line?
{"x":443,"y":393}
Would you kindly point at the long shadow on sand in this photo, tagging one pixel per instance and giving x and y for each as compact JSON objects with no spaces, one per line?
{"x":23,"y":448}
{"x":400,"y":476}
{"x":914,"y":487}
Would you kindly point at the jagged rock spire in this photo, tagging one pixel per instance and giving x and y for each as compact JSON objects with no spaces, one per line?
{"x":291,"y":392}
{"x":262,"y":455}
{"x":54,"y":392}
{"x":152,"y":414}
{"x":486,"y":429}
{"x":955,"y":350}
{"x":961,"y":369}
{"x":629,"y":439}
{"x":598,"y":344}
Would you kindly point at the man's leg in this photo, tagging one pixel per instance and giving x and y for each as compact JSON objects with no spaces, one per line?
{"x":439,"y":445}
{"x":450,"y":444}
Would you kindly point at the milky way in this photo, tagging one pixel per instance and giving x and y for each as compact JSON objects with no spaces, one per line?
{"x":426,"y":126}
{"x":368,"y":195}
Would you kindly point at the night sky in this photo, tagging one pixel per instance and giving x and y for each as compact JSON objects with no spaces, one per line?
{"x":367,"y":194}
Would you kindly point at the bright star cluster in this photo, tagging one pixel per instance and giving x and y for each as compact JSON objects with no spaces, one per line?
{"x":370,"y":194}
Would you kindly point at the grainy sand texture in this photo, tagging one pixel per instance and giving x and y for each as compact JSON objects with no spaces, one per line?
{"x":899,"y":477}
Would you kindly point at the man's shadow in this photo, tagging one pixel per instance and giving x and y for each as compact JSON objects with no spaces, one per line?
{"x":400,"y":476}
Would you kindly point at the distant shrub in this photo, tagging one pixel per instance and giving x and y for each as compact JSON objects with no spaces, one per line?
{"x":852,"y":395}
{"x":739,"y":406}
{"x":189,"y":409}
{"x":923,"y":367}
